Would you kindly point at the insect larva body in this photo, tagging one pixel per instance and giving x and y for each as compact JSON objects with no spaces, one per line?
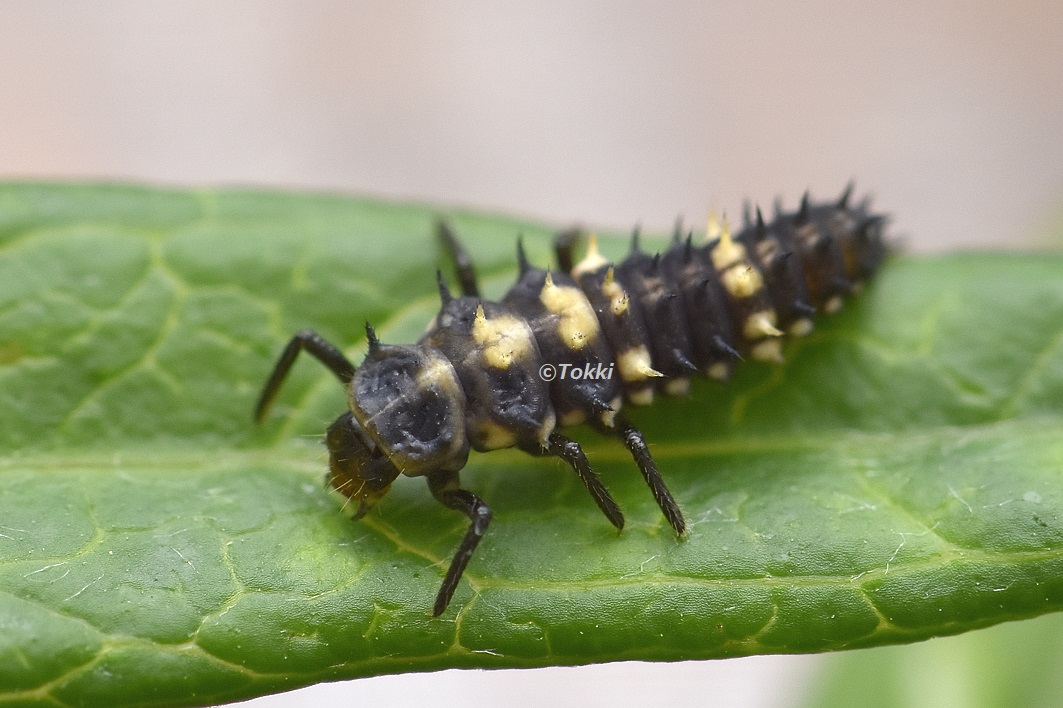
{"x":572,"y":346}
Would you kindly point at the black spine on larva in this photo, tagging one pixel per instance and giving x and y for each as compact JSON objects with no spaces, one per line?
{"x":739,"y":296}
{"x":494,"y":354}
{"x":567,"y":332}
{"x":621,"y":322}
{"x":747,"y":296}
{"x":812,"y":233}
{"x":713,"y":337}
{"x":863,"y":244}
{"x":783,"y":274}
{"x":656,"y":295}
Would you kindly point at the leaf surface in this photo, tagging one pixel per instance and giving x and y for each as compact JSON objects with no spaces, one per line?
{"x":900,"y":477}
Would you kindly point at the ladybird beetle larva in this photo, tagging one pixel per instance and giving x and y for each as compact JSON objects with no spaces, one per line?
{"x":479,"y":379}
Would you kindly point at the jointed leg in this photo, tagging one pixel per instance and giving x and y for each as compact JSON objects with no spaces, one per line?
{"x":462,"y":261}
{"x":444,"y":486}
{"x":570,"y":451}
{"x":315,"y":345}
{"x":636,"y":444}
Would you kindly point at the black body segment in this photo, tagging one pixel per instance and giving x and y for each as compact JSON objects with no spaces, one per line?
{"x":569,"y":337}
{"x":619,"y":316}
{"x":784,"y":278}
{"x":656,"y":295}
{"x":815,"y":235}
{"x":497,"y":361}
{"x":713,"y":337}
{"x":862,"y":239}
{"x":747,"y":294}
{"x":608,"y":333}
{"x":409,"y":402}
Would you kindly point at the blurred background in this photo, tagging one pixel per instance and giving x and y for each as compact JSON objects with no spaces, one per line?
{"x":949,"y":113}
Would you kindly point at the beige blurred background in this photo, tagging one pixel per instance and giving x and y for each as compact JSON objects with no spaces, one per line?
{"x":951,"y":114}
{"x":611,"y":113}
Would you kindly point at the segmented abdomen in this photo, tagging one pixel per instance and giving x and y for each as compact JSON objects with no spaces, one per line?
{"x":700,"y":307}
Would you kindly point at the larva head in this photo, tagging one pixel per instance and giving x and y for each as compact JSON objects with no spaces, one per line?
{"x":358,"y":469}
{"x":410,"y":409}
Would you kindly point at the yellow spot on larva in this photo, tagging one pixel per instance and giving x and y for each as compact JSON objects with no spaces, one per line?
{"x":801,"y":328}
{"x":806,"y":236}
{"x":492,"y":436}
{"x":573,"y":418}
{"x":769,"y":350}
{"x":767,"y":250}
{"x":502,"y":339}
{"x":677,"y":387}
{"x":641,"y":397}
{"x":616,"y":294}
{"x":438,"y":372}
{"x":547,"y":427}
{"x":727,"y":251}
{"x":577,"y":324}
{"x":608,"y":418}
{"x":742,"y":280}
{"x":712,"y":228}
{"x":760,"y":325}
{"x":593,"y":261}
{"x":635,"y":365}
{"x":717,"y":371}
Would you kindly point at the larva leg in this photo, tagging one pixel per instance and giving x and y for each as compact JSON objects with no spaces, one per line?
{"x":636,"y":444}
{"x":570,"y":451}
{"x":319,"y":348}
{"x":445,"y":488}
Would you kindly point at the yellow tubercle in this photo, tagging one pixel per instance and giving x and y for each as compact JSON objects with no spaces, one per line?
{"x":593,"y":261}
{"x":577,"y":324}
{"x":712,"y":227}
{"x":502,"y":340}
{"x":742,"y":280}
{"x":760,"y":325}
{"x":768,"y":350}
{"x":635,"y":365}
{"x":718,"y":371}
{"x":727,"y":252}
{"x":616,"y":294}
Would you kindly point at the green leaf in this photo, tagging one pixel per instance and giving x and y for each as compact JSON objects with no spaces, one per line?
{"x":898,"y":478}
{"x":1013,"y":664}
